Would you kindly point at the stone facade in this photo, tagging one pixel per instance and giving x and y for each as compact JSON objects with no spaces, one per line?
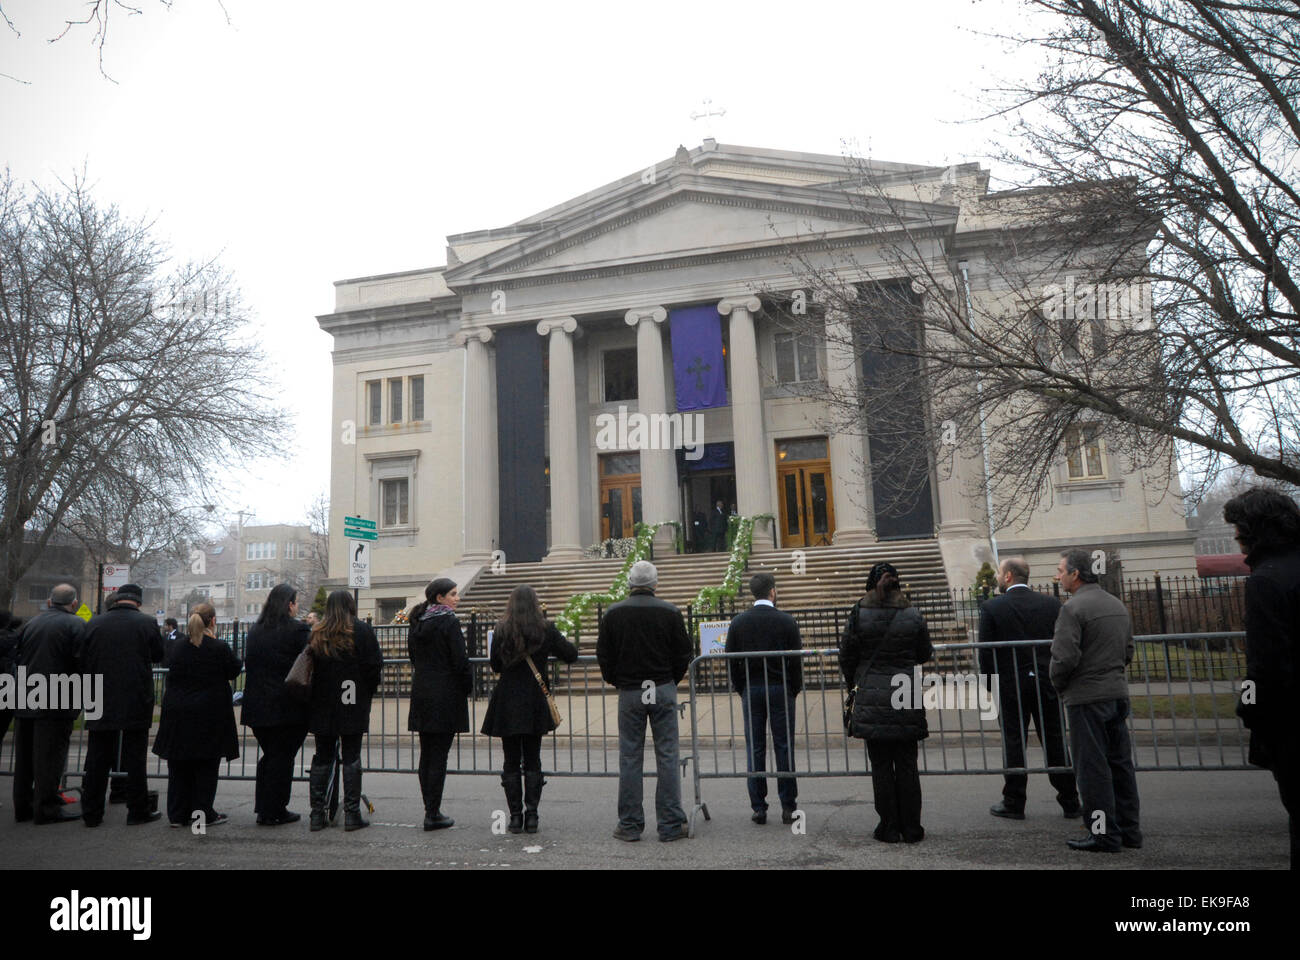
{"x":600,"y":274}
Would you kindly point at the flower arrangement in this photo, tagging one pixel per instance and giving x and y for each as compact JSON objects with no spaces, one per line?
{"x":740,"y":532}
{"x":610,"y":547}
{"x":581,"y":603}
{"x":400,"y":618}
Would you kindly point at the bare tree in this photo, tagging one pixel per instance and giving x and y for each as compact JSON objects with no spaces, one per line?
{"x":123,"y":378}
{"x":97,"y":15}
{"x":1138,"y":284}
{"x":318,"y":517}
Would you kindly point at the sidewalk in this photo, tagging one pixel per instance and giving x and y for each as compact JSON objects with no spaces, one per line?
{"x":1191,"y":820}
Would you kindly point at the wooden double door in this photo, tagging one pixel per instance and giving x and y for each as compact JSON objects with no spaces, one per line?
{"x":804,"y":491}
{"x":620,"y":495}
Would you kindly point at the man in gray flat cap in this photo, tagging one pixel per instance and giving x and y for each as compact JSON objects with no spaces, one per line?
{"x":644,"y":651}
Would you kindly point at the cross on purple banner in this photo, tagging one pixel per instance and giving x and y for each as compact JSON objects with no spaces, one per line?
{"x":698,"y":372}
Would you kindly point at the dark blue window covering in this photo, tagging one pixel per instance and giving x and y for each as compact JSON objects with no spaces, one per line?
{"x":521,"y":453}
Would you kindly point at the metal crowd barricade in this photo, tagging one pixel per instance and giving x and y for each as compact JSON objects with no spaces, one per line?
{"x":1182,"y":691}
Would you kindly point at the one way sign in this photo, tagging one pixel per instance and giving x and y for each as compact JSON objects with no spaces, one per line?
{"x":358,"y":563}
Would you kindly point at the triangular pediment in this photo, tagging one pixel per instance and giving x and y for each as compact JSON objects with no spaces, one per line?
{"x":687,"y":215}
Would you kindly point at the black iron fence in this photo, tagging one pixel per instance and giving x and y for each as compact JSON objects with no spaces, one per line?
{"x":1156,"y":604}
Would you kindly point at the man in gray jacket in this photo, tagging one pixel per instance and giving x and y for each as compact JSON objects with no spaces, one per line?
{"x":1091,"y":646}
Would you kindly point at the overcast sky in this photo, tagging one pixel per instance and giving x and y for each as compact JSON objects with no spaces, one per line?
{"x":311,"y":142}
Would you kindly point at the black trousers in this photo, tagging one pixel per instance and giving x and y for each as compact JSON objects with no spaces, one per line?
{"x":1286,"y":771}
{"x":896,"y":783}
{"x":325,"y":745}
{"x":280,"y":746}
{"x":102,"y":757}
{"x":40,"y":754}
{"x":1103,"y":764}
{"x":191,"y":788}
{"x":523,"y":750}
{"x":1033,"y":699}
{"x":434,"y":748}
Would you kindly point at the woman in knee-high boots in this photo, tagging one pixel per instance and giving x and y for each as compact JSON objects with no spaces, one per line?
{"x":518,"y":713}
{"x":346,"y":664}
{"x":441,"y":681}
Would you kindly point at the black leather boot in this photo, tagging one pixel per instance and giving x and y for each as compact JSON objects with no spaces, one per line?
{"x":513,"y":785}
{"x":532,"y":796}
{"x":317,"y":783}
{"x":352,"y":797}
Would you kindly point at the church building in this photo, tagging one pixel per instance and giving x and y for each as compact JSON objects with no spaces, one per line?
{"x":610,"y":360}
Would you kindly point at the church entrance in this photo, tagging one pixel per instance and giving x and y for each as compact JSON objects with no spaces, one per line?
{"x":705,"y":481}
{"x":803,"y":478}
{"x":620,"y":495}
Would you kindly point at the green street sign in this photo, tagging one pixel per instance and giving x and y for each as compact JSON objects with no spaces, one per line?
{"x":360,"y":534}
{"x":358,"y":522}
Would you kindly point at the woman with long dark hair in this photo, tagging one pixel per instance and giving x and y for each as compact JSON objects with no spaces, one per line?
{"x":441,"y":681}
{"x":346,"y":665}
{"x":522,"y":642}
{"x":886,"y":636}
{"x":1268,"y":529}
{"x":197,"y":727}
{"x":279,"y":722}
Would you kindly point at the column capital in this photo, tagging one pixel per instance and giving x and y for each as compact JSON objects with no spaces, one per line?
{"x":482,"y":334}
{"x":567,"y":324}
{"x":633,"y":317}
{"x":750,"y":303}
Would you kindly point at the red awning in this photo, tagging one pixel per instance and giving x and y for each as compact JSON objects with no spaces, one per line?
{"x":1222,"y":565}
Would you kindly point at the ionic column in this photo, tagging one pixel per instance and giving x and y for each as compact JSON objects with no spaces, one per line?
{"x":850,"y":456}
{"x":563,"y":427}
{"x":753,"y":458}
{"x":658,"y":466}
{"x":479,"y":439}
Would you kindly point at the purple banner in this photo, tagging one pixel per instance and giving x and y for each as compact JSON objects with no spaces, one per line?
{"x":698,"y":371}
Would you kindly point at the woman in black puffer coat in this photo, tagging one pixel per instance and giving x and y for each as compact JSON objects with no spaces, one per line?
{"x":441,"y":681}
{"x":884,"y":638}
{"x":346,"y":666}
{"x":518,"y":712}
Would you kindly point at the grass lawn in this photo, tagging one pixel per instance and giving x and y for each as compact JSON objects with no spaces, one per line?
{"x":1205,"y":705}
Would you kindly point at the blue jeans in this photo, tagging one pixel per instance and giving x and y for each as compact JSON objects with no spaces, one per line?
{"x":760,"y":706}
{"x":632,"y":716}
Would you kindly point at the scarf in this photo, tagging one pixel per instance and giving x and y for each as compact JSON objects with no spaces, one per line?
{"x":437,"y":610}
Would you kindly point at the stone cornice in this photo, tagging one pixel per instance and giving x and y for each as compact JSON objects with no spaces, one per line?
{"x":625,"y":207}
{"x":738,"y":253}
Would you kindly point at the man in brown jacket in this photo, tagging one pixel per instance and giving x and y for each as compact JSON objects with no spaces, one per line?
{"x":1091,"y":646}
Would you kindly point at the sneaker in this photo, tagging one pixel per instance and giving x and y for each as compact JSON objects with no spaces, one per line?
{"x":787,"y":814}
{"x":677,"y":833}
{"x":759,"y":817}
{"x":217,"y":819}
{"x":623,"y":833}
{"x":145,"y":818}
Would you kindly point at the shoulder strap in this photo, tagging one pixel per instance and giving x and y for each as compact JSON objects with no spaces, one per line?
{"x":537,"y":675}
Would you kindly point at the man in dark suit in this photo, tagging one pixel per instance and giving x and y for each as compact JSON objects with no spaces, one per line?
{"x":1025,"y":691}
{"x":718,"y":527}
{"x":767,"y":687}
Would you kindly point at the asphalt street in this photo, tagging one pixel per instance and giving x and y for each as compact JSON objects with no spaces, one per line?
{"x":1191,"y":820}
